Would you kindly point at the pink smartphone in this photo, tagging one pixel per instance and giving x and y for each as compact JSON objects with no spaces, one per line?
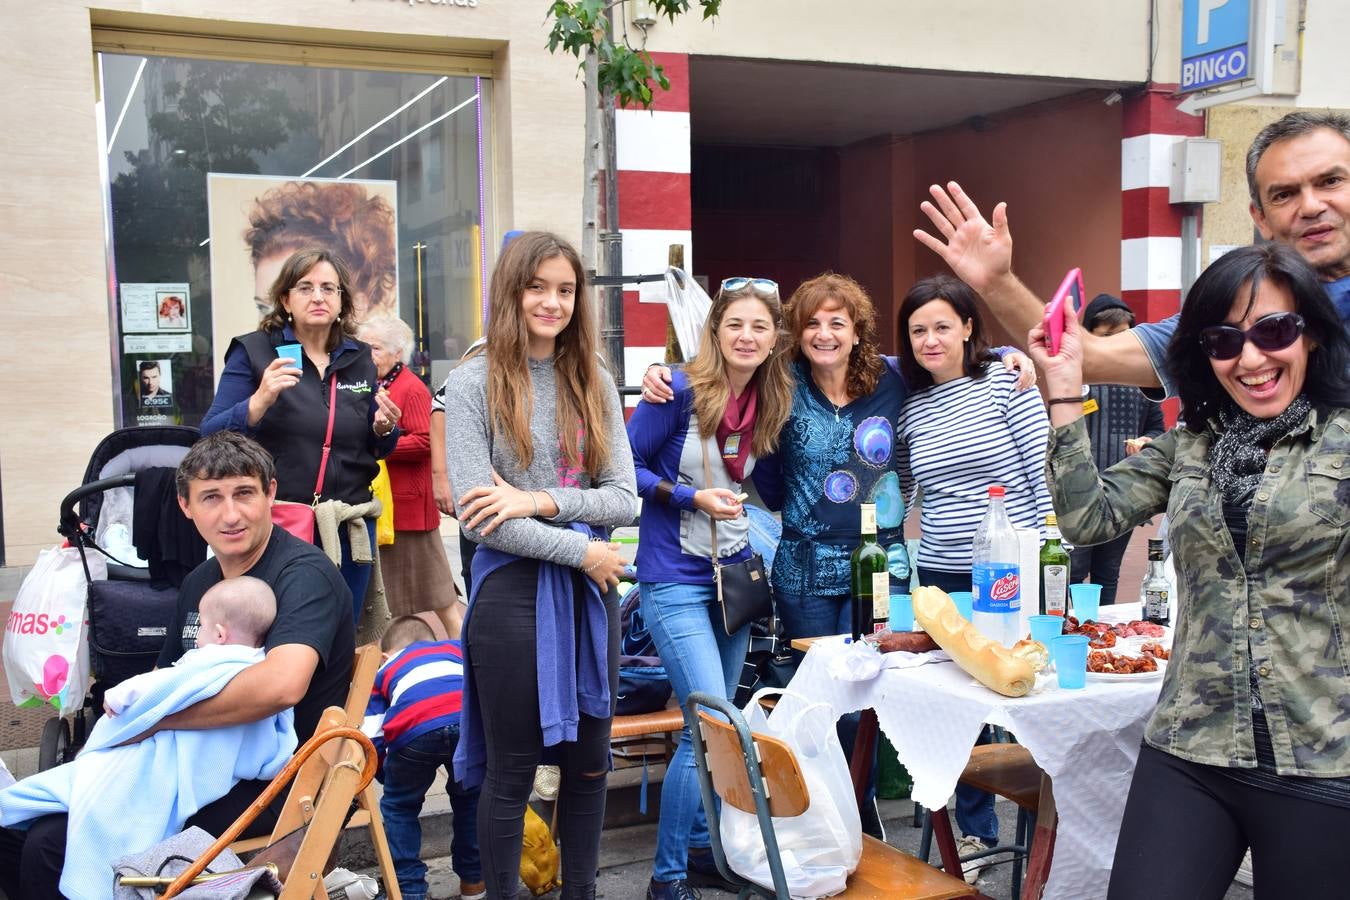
{"x":1070,"y":291}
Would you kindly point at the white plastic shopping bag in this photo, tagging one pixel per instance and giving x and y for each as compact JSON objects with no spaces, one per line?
{"x":46,"y":637}
{"x":821,"y":847}
{"x":689,"y":305}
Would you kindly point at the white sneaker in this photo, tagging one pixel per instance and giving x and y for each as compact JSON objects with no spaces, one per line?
{"x":971,"y":870}
{"x":1244,"y":872}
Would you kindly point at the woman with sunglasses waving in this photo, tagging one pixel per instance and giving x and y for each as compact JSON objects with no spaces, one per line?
{"x":1249,"y":745}
{"x":303,"y":381}
{"x":540,"y":470}
{"x":691,"y":456}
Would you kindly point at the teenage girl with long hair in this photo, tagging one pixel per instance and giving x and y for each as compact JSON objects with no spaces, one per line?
{"x":541,"y":470}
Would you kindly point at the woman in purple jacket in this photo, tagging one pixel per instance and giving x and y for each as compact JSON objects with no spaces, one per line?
{"x":690,"y":457}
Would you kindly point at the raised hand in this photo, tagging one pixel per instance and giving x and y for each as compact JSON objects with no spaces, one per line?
{"x":976,"y":250}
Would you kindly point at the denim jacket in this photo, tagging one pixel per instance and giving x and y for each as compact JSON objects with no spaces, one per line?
{"x":1286,"y":612}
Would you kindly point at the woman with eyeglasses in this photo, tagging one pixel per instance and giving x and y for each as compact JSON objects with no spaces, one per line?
{"x":690,"y":457}
{"x":283,"y":403}
{"x":1249,"y":746}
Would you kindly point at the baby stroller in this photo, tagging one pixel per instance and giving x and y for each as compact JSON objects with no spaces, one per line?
{"x":128,"y":614}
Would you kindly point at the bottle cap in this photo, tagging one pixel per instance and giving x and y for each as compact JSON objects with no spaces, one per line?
{"x":1051,"y":520}
{"x":996,"y":490}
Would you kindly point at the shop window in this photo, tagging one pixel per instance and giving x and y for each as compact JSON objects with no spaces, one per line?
{"x":217,"y":170}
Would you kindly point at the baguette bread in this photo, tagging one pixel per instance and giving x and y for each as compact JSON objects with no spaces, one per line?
{"x":1010,"y":672}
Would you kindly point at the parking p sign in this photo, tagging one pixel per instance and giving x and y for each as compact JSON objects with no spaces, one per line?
{"x":1215,"y":43}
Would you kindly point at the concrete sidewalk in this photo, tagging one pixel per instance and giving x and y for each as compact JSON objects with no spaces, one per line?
{"x":626,"y":854}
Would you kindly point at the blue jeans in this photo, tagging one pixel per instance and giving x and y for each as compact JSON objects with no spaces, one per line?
{"x":355,"y":574}
{"x":686,"y":625}
{"x":812,"y":616}
{"x":974,"y":808}
{"x":408,"y":772}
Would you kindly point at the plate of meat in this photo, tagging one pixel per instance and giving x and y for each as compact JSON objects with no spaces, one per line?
{"x":1106,"y":635}
{"x":1104,"y":665}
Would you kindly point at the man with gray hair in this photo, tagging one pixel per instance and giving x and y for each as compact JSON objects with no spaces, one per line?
{"x":1298,"y":175}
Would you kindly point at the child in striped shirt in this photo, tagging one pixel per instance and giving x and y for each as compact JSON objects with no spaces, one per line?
{"x":413,"y":719}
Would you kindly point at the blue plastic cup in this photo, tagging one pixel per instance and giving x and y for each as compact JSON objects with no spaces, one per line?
{"x":1087,"y":601}
{"x":1071,"y":653}
{"x":902,"y":612}
{"x":965,"y":603}
{"x":293,"y":352}
{"x":1045,"y":629}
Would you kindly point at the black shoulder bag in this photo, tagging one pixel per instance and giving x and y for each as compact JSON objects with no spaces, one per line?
{"x":743,"y":589}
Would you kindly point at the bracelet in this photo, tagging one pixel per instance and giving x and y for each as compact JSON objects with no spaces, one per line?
{"x":1053,"y":400}
{"x":593,"y":566}
{"x":535,"y":498}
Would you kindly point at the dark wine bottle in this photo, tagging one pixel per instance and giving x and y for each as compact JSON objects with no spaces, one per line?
{"x":871,"y":580}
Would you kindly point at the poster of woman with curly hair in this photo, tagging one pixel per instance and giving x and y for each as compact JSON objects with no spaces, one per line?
{"x":257,"y":221}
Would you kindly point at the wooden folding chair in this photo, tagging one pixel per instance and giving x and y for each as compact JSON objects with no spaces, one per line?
{"x":325,"y":776}
{"x":760,"y":775}
{"x":367,"y":815}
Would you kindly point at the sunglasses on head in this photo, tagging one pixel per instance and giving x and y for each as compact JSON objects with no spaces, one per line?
{"x":762,"y":287}
{"x":1273,"y":332}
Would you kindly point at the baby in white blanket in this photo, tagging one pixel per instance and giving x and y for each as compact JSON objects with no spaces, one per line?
{"x":125,"y":791}
{"x":236,"y":611}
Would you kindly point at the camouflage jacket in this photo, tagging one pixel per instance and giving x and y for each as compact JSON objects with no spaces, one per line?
{"x":1287,"y":612}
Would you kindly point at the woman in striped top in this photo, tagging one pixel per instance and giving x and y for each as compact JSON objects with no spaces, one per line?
{"x":963,"y":428}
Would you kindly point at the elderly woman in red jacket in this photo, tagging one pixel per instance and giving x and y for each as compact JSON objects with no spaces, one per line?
{"x":415,"y":568}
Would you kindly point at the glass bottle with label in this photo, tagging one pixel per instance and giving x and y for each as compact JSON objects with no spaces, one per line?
{"x":1157,"y":589}
{"x":871,"y":582}
{"x":1054,"y":571}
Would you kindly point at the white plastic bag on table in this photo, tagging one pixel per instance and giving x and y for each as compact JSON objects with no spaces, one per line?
{"x":821,"y":847}
{"x":46,"y":638}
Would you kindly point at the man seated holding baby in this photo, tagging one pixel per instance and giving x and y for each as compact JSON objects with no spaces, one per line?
{"x":226,"y":485}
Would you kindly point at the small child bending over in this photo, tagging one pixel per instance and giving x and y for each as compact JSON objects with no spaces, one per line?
{"x":237,"y":611}
{"x":413,"y":718}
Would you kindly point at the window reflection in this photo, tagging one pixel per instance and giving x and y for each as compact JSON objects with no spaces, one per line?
{"x":333,"y":151}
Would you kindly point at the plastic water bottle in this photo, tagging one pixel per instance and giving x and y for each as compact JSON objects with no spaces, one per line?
{"x":996,"y":575}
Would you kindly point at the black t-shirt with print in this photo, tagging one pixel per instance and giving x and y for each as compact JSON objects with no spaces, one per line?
{"x":314,"y":608}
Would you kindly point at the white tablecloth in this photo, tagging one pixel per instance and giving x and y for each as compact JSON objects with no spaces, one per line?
{"x":1086,"y":740}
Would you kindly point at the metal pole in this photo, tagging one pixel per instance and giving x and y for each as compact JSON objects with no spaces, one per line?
{"x":612,"y":239}
{"x":1190,"y":248}
{"x":421,"y":326}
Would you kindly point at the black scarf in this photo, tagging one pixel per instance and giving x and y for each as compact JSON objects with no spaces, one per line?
{"x":389,"y":378}
{"x":1238,"y":455}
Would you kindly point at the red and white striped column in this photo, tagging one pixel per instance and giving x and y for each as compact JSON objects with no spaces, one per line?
{"x":652,"y":147}
{"x":1150,"y":232}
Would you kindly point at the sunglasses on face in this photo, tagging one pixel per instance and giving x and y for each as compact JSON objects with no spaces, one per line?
{"x":1273,"y":332}
{"x":761,"y":287}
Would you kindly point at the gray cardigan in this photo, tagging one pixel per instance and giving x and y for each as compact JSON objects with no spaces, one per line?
{"x":474,"y":453}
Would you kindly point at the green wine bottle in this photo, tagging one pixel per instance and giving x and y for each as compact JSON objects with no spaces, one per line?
{"x":1054,"y":571}
{"x":871,"y":578}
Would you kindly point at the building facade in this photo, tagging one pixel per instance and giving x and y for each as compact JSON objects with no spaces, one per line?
{"x":159,"y":153}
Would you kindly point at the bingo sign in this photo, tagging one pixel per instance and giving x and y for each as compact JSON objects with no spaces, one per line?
{"x":1215,"y":43}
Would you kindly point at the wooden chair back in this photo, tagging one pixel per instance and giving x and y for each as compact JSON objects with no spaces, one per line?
{"x":325,"y":776}
{"x":364,"y":667}
{"x":783,"y":781}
